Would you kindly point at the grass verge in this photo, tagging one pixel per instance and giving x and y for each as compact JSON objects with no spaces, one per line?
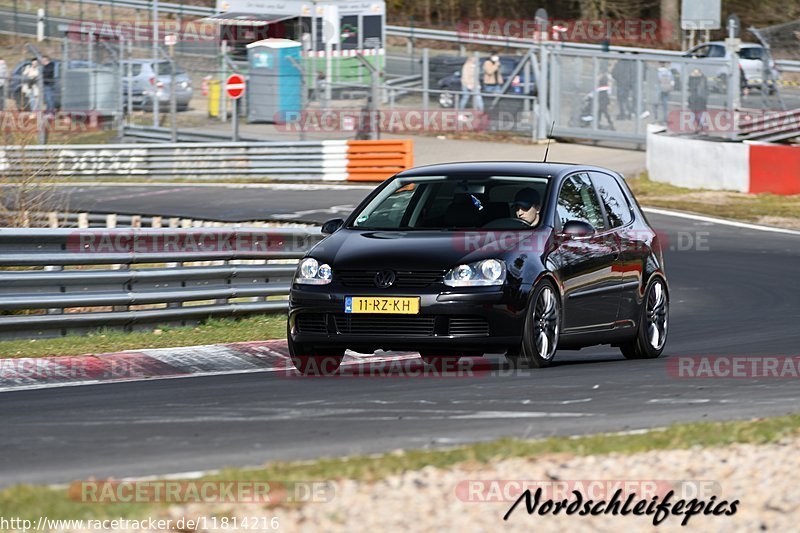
{"x":212,"y":331}
{"x":770,"y":209}
{"x":30,"y":502}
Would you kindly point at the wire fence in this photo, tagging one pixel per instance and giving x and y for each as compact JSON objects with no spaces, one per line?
{"x":578,"y":89}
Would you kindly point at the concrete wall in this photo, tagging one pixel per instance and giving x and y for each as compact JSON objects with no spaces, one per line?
{"x":698,"y":164}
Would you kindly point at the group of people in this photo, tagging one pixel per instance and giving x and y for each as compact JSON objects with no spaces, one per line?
{"x":37,"y":85}
{"x":490,"y":80}
{"x":623,"y":80}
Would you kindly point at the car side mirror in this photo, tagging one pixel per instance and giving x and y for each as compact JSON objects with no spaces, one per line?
{"x":578,"y":228}
{"x":332,"y":225}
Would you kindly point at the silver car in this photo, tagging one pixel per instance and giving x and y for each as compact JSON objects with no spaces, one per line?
{"x":151,"y":79}
{"x":752,"y":68}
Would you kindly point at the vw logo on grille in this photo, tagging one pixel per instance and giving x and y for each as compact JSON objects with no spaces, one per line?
{"x":384,"y":279}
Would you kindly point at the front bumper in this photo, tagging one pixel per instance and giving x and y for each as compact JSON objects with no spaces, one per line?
{"x":475,"y":319}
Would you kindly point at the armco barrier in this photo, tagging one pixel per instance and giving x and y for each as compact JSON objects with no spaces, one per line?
{"x":66,"y":281}
{"x":310,"y":160}
{"x":378,"y":160}
{"x":719,"y":165}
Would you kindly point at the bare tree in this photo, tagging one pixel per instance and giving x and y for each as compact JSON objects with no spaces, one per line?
{"x":28,"y":187}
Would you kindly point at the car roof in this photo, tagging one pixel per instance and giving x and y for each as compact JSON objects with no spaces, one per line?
{"x":510,"y":168}
{"x":151,"y":60}
{"x":722,"y":43}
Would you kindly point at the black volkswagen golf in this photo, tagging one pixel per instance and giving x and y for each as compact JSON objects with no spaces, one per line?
{"x":463,"y":259}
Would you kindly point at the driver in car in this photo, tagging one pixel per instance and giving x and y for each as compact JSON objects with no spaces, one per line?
{"x":527,"y":203}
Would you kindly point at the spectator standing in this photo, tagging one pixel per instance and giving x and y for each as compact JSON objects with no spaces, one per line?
{"x":470,"y":85}
{"x":492,"y":77}
{"x":30,"y":84}
{"x":49,"y":82}
{"x":3,"y":83}
{"x":624,"y":73}
{"x":698,"y":97}
{"x":665,"y":82}
{"x":603,"y":90}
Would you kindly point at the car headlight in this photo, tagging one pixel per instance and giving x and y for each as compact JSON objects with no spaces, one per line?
{"x":310,"y":272}
{"x":480,"y":274}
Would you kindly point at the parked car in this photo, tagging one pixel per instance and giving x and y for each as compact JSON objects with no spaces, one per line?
{"x":751,"y":65}
{"x":15,"y":82}
{"x":483,"y":257}
{"x":451,"y":83}
{"x":151,"y":79}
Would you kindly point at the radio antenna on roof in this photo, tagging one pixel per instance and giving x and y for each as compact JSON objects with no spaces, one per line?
{"x":549,"y":138}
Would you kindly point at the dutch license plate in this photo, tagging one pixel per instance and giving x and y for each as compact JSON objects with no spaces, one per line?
{"x":382,"y":305}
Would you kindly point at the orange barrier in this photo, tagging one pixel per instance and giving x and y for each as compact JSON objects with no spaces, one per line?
{"x":774,"y":169}
{"x":378,"y":160}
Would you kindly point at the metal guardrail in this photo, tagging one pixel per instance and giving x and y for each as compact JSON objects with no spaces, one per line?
{"x":141,"y":277}
{"x":308,"y":160}
{"x":411,"y":32}
{"x":163,"y":7}
{"x":784,"y":65}
{"x":153,"y":134}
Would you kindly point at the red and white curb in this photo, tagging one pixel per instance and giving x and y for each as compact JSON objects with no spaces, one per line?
{"x":139,"y":365}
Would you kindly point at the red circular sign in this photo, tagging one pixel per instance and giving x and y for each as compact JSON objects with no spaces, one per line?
{"x":234,"y":86}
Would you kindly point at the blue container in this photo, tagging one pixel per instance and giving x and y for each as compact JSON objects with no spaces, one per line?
{"x":274,"y":84}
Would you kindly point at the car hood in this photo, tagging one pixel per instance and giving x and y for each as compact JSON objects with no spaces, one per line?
{"x":424,"y":250}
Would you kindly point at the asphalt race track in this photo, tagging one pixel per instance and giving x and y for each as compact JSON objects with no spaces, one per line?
{"x":222,"y":203}
{"x":734,"y":291}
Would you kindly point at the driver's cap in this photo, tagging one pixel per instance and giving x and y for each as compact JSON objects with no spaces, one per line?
{"x":526,"y":198}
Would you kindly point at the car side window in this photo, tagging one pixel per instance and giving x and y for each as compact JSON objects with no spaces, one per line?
{"x":751,"y":53}
{"x":390,"y":212}
{"x":618,"y":210}
{"x":716,"y":51}
{"x":578,"y":201}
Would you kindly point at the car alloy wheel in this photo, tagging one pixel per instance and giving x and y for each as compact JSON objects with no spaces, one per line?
{"x":653,"y":326}
{"x":542,"y":326}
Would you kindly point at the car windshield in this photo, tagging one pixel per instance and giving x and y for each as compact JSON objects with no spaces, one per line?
{"x":450,"y":203}
{"x":751,"y":53}
{"x":163,"y":68}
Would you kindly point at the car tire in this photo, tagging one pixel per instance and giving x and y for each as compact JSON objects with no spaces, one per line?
{"x":651,"y":335}
{"x":543,"y":318}
{"x":447,"y":99}
{"x":311,"y":361}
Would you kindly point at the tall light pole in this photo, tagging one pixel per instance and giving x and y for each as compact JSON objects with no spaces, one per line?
{"x":155,"y":63}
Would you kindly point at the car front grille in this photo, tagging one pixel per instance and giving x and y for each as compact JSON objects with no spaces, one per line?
{"x":393,"y":325}
{"x":468,"y":327}
{"x":378,"y":326}
{"x":311,"y":323}
{"x":416,"y":279}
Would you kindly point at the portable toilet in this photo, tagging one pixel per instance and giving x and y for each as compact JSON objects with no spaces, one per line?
{"x":275,"y":76}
